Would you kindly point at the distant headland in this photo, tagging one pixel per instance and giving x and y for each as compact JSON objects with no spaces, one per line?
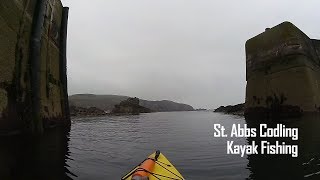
{"x":92,"y":104}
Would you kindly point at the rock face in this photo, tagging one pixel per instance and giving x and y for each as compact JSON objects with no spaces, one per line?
{"x":231,"y":109}
{"x":33,"y":82}
{"x":130,"y":106}
{"x":282,"y":73}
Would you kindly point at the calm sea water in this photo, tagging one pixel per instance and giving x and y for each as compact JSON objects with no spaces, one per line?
{"x":108,"y":147}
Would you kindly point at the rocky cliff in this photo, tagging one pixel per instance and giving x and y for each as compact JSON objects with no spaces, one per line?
{"x":282,"y":73}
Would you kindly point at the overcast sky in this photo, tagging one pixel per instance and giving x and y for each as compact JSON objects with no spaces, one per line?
{"x":186,"y":51}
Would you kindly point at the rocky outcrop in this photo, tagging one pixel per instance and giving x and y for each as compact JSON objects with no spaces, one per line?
{"x":81,"y":112}
{"x":231,"y":109}
{"x":282,"y":73}
{"x":130,"y":106}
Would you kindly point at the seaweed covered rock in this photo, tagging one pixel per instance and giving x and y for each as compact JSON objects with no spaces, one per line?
{"x":129,"y":106}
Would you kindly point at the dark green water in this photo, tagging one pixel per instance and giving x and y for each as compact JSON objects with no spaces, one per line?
{"x":107,"y":147}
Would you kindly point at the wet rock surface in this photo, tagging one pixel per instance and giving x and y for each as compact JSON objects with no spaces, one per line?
{"x":282,"y":71}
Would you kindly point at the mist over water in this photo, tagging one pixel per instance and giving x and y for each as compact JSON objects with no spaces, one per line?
{"x":108,"y":147}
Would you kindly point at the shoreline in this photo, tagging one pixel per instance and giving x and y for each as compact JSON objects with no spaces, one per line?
{"x":237,"y":109}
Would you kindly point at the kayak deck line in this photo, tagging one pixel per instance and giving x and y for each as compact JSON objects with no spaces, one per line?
{"x":155,"y":175}
{"x":161,"y":169}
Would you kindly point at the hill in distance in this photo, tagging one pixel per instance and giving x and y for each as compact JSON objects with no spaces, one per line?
{"x":107,"y":102}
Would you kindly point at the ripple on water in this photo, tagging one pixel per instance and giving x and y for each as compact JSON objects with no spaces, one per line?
{"x":107,"y":147}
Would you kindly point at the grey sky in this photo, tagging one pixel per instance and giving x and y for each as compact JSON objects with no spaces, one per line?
{"x":186,"y":51}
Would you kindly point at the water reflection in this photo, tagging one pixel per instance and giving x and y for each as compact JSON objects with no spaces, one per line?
{"x":42,"y":157}
{"x":106,"y":147}
{"x":305,"y":166}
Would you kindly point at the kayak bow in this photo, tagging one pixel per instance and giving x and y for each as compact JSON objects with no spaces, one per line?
{"x":155,"y":167}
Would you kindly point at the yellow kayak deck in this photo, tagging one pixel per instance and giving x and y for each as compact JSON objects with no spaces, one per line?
{"x":163,"y":170}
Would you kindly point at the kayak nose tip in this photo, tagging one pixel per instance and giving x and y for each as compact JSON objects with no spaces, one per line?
{"x":157,"y":154}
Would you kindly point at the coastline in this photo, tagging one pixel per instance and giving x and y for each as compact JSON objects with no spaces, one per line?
{"x":237,"y":109}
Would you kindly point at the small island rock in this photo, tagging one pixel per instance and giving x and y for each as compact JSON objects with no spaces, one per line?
{"x":130,"y":106}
